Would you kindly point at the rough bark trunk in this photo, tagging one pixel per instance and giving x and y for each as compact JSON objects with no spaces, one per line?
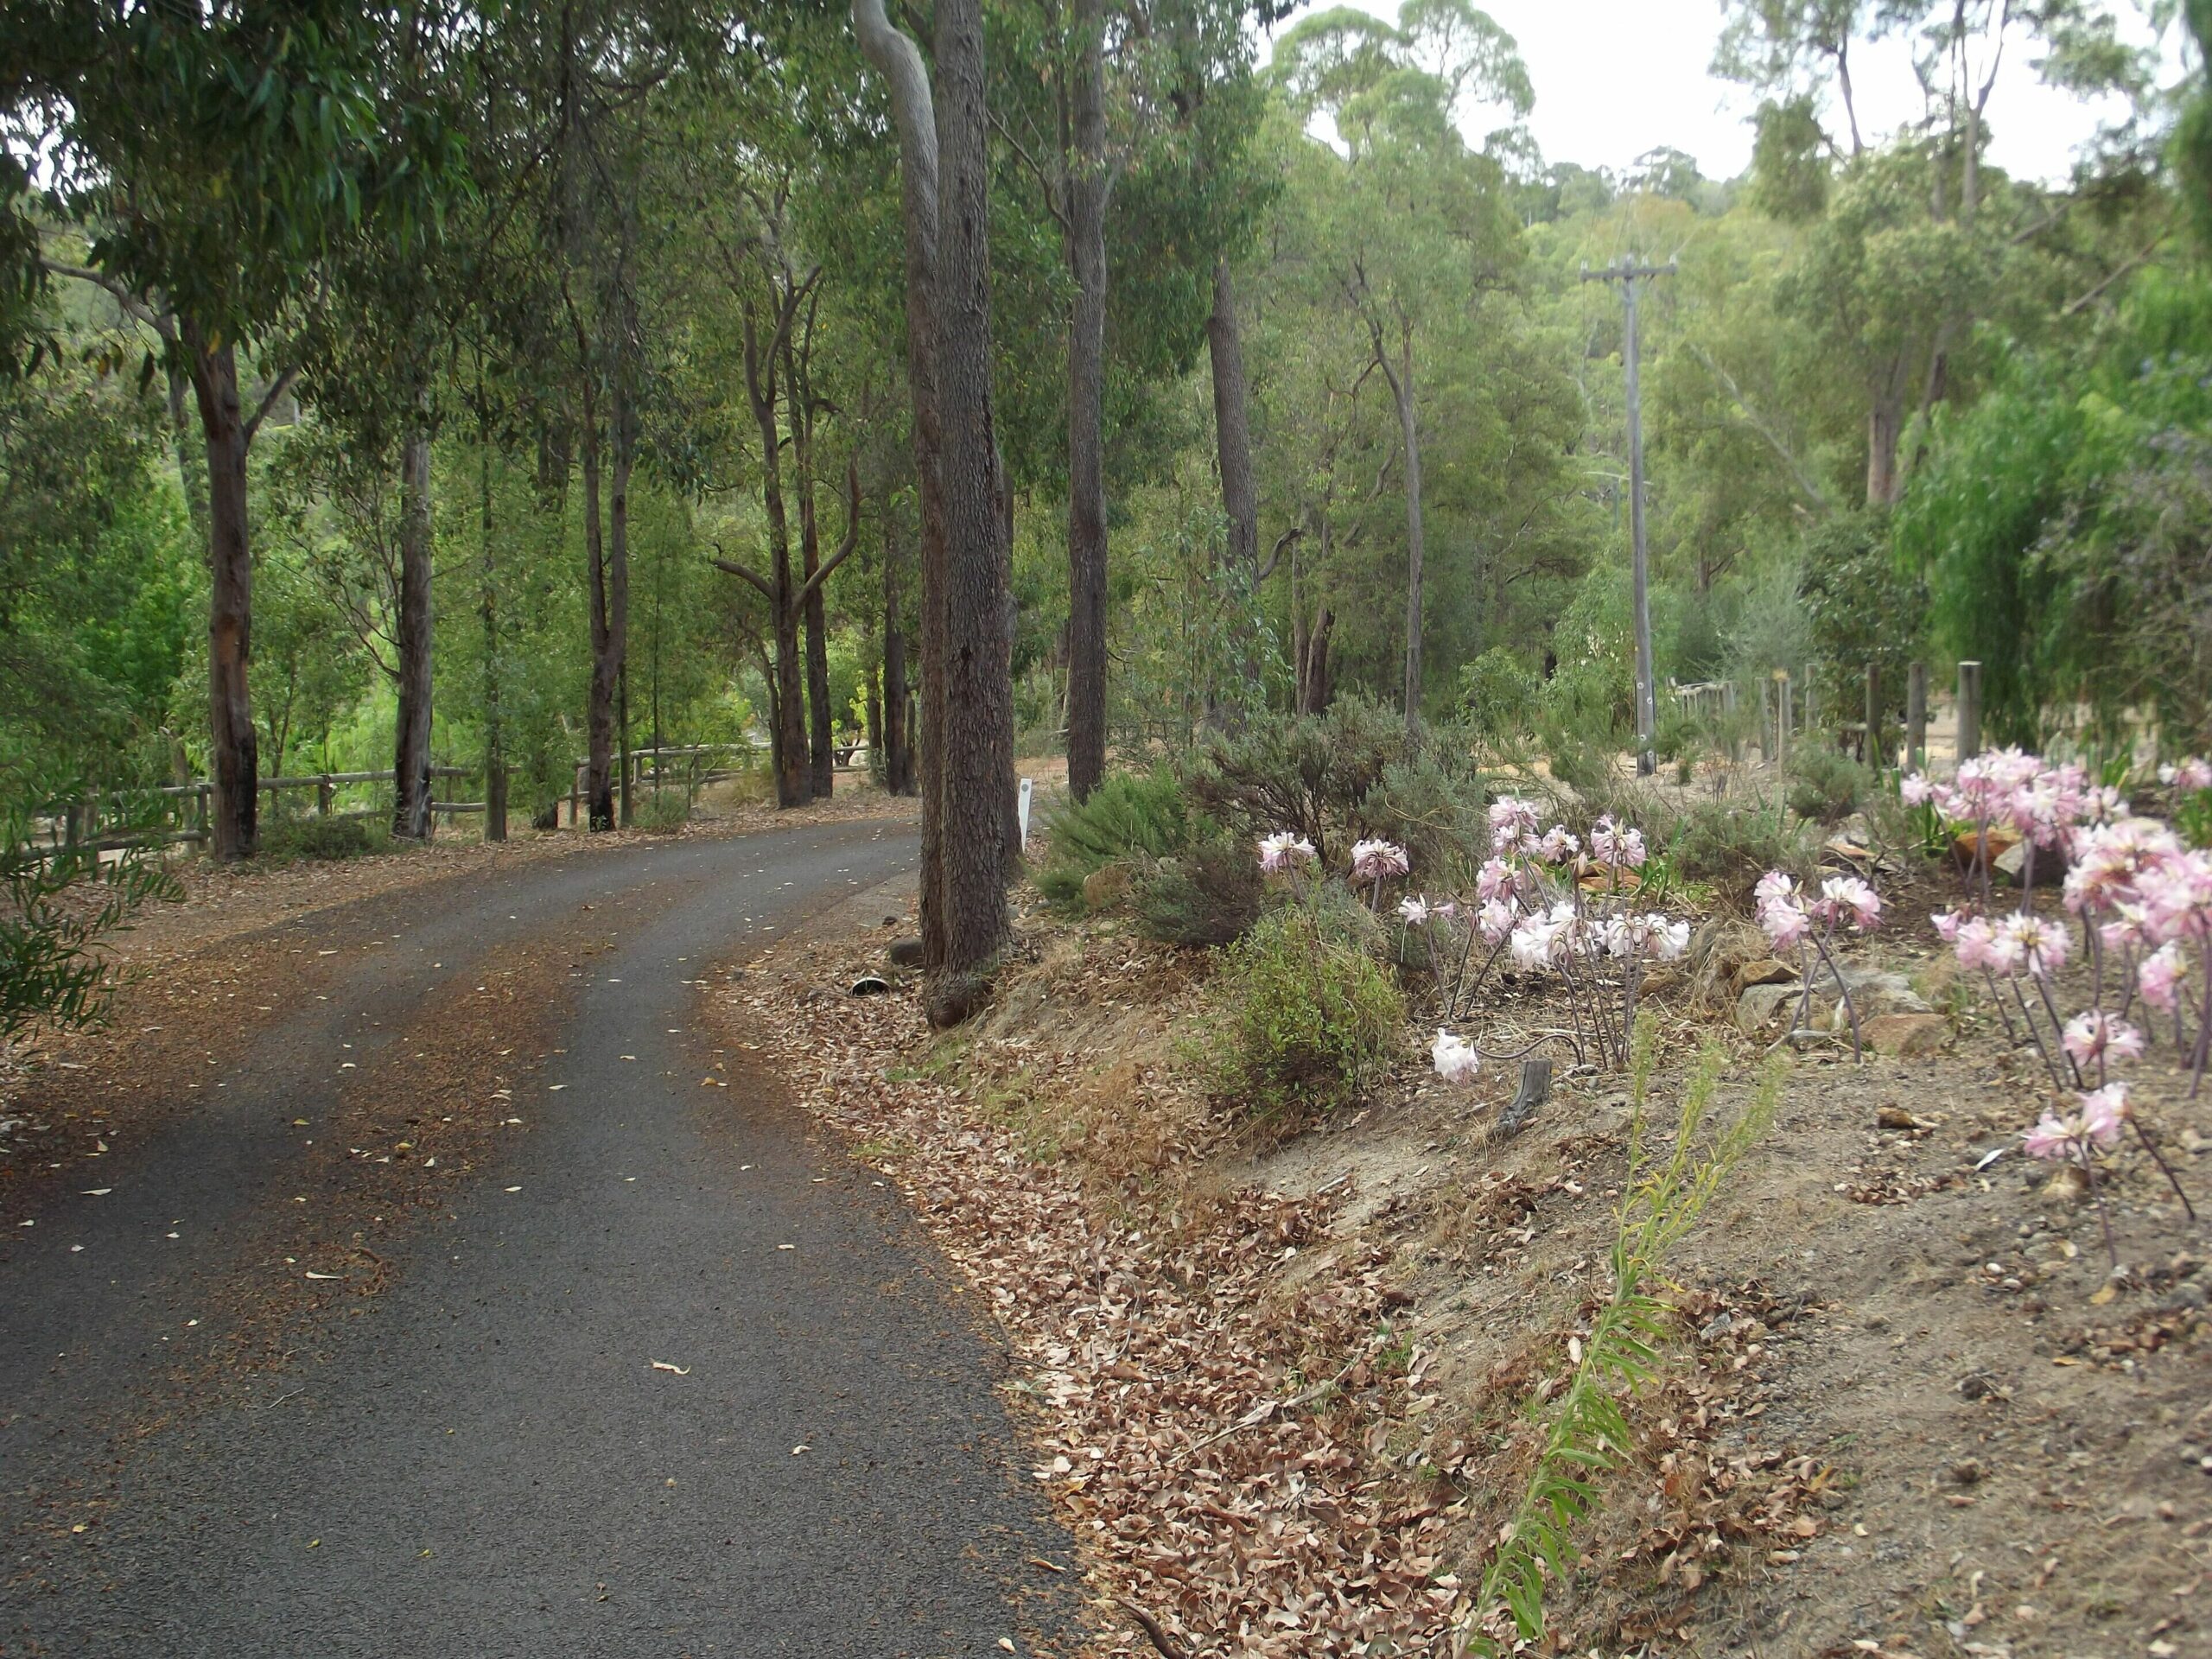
{"x":823,"y":761}
{"x":233,"y":744}
{"x":977,"y":782}
{"x":872,"y":711}
{"x":898,"y":731}
{"x":1313,"y":687}
{"x":898,"y":60}
{"x":1401,"y":387}
{"x":410,"y":760}
{"x":1885,"y":427}
{"x":1087,"y":184}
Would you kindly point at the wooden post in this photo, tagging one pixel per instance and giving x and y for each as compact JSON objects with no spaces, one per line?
{"x":323,"y":796}
{"x":1781,"y":713}
{"x":1916,"y":715}
{"x":1969,"y":710}
{"x":575,"y":794}
{"x":1766,"y":725}
{"x":1877,"y":753}
{"x":1728,"y":713}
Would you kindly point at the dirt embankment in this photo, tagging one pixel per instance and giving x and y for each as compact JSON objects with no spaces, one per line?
{"x":1287,"y":1391}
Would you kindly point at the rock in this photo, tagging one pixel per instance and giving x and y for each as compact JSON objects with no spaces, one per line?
{"x":1968,"y":849}
{"x":1908,"y":1036}
{"x":1966,"y":1472}
{"x":1105,"y":887}
{"x":1879,"y":994}
{"x":1875,"y":994}
{"x":1767,"y":971}
{"x":1896,"y":1117}
{"x":2067,"y":1184}
{"x":1759,"y":1006}
{"x":905,"y":953}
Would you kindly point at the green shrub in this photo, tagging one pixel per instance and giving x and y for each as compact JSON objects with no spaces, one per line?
{"x":663,"y":811}
{"x":1131,"y":812}
{"x":1730,"y":844}
{"x":2193,"y":818}
{"x":1208,"y":895}
{"x":1499,"y":689}
{"x":1307,"y":1018}
{"x":1824,"y":785}
{"x":322,"y":840}
{"x":53,"y":911}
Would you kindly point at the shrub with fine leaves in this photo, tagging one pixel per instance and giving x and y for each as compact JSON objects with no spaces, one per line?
{"x":1307,"y":1018}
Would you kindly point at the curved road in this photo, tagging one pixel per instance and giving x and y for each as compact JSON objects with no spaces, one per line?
{"x":483,"y":1460}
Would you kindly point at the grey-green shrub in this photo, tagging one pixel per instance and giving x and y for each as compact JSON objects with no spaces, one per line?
{"x":1826,"y":785}
{"x":1208,"y":894}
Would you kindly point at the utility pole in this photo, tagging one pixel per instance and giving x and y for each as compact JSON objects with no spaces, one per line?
{"x":1628,"y":273}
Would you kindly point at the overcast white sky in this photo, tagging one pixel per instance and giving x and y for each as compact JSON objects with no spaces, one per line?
{"x":1616,"y":78}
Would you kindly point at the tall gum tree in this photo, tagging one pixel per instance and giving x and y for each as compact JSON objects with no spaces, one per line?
{"x":1414,"y":223}
{"x":966,"y":637}
{"x":216,"y":155}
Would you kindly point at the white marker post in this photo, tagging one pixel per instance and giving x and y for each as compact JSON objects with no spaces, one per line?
{"x":1028,"y":787}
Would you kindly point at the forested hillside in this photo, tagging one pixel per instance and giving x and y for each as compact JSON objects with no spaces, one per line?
{"x":529,"y":372}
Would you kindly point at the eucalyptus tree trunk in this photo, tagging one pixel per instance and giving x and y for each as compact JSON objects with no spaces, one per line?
{"x":896,"y":723}
{"x":1884,"y":429}
{"x":898,"y":60}
{"x":1401,"y":388}
{"x":976,"y":781}
{"x":411,"y":761}
{"x":1087,"y":187}
{"x":1232,"y":425}
{"x":191,"y":455}
{"x":822,"y":760}
{"x":495,"y":757}
{"x":599,"y":703}
{"x":234,"y":744}
{"x":787,"y":734}
{"x":617,"y":585}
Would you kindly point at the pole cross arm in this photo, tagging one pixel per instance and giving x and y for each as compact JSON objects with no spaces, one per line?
{"x":1627,"y":271}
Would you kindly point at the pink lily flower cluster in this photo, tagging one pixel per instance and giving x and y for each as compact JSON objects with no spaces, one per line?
{"x":2143,"y":900}
{"x":1805,"y":920}
{"x":1533,"y":903}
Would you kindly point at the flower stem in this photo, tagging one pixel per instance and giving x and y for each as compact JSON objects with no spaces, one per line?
{"x":2096,"y":1191}
{"x":2165,"y":1168}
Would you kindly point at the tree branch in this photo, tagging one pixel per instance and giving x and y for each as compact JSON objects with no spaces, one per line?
{"x":1044,"y":181}
{"x":734,"y":568}
{"x":2116,"y":273}
{"x":1282,"y":544}
{"x":1751,"y":419}
{"x":277,"y":388}
{"x":134,"y":304}
{"x":813,"y":584}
